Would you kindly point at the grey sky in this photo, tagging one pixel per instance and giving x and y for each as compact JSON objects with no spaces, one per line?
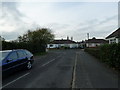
{"x":64,"y":18}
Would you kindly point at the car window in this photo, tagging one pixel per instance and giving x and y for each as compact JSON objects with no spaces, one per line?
{"x":3,"y":55}
{"x":28,"y":53}
{"x":13,"y":56}
{"x":21,"y":54}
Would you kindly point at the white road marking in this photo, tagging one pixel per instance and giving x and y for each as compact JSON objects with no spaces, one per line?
{"x":51,"y":61}
{"x":47,"y":62}
{"x":15,"y":80}
{"x":28,"y":73}
{"x":74,"y":73}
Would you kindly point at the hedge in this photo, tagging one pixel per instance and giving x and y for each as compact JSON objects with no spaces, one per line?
{"x":32,"y":47}
{"x":108,"y":53}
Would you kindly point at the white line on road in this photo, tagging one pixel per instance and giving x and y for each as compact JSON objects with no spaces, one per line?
{"x":47,"y":62}
{"x":28,"y":73}
{"x":51,"y":61}
{"x":74,"y":72}
{"x":15,"y":80}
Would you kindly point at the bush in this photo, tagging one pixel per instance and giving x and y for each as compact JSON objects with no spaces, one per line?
{"x":94,"y":51}
{"x":108,"y":53}
{"x":34,"y":41}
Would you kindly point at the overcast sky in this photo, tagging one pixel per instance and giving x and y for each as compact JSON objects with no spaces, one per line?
{"x":74,"y":19}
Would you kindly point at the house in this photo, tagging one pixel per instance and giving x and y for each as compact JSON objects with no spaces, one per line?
{"x":62,"y":43}
{"x":95,"y":42}
{"x":81,"y":44}
{"x":114,"y":37}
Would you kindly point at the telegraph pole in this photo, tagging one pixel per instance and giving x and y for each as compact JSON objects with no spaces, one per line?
{"x":87,"y":35}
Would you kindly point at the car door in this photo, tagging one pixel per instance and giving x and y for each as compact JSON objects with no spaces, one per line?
{"x":22,"y":57}
{"x":10,"y":62}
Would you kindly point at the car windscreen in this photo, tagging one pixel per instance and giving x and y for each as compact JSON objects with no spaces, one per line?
{"x":3,"y":55}
{"x":28,"y":53}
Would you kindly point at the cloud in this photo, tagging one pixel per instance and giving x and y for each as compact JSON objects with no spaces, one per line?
{"x":12,"y":23}
{"x":10,"y":13}
{"x":90,"y":26}
{"x":108,"y":19}
{"x":11,"y":17}
{"x":63,"y":18}
{"x":96,"y":27}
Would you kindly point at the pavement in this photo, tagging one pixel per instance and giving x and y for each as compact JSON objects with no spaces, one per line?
{"x":72,"y":68}
{"x":90,"y":73}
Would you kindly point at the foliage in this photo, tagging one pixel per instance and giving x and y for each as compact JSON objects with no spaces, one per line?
{"x":108,"y":53}
{"x":34,"y":41}
{"x":94,"y":51}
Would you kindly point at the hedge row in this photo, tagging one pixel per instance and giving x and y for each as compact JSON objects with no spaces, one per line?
{"x":108,"y":53}
{"x":32,"y":47}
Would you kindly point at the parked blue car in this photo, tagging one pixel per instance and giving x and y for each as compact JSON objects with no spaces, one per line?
{"x":11,"y":60}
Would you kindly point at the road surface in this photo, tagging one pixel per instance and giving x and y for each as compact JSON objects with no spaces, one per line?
{"x":64,"y":69}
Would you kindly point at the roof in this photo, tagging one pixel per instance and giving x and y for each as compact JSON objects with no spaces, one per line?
{"x":96,"y":41}
{"x":81,"y":42}
{"x":11,"y":50}
{"x":114,"y":34}
{"x":63,"y":42}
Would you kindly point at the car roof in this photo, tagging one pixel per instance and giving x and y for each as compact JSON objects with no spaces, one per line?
{"x":6,"y":51}
{"x":11,"y":50}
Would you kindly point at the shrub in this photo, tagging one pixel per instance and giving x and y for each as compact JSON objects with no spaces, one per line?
{"x":108,"y":53}
{"x":94,"y":51}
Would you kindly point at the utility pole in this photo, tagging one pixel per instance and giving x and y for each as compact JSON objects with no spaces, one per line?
{"x":87,"y":35}
{"x":71,"y":38}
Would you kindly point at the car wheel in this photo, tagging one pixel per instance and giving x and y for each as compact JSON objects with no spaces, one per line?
{"x":29,"y":65}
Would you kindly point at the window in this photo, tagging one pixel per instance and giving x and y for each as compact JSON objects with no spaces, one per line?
{"x":51,"y":45}
{"x":113,"y":40}
{"x":3,"y":55}
{"x":28,"y":53}
{"x":21,"y":54}
{"x":13,"y":56}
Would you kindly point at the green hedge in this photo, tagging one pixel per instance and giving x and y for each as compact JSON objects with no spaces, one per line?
{"x":108,"y":53}
{"x":32,"y":47}
{"x":94,"y":51}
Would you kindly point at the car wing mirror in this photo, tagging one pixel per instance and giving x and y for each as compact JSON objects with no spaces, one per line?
{"x":9,"y":59}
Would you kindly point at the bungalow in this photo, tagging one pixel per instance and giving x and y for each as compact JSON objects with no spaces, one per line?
{"x":114,"y":37}
{"x":95,"y":42}
{"x":81,"y":44}
{"x":62,"y":43}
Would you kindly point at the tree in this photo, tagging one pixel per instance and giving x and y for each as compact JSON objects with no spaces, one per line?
{"x":1,"y":38}
{"x":36,"y":40}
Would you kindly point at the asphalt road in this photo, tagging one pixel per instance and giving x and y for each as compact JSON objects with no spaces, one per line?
{"x":64,"y":69}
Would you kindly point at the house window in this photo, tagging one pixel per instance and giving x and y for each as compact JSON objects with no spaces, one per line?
{"x":113,"y":41}
{"x":51,"y":45}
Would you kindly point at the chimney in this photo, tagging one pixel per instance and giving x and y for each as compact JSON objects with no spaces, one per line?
{"x":71,"y":38}
{"x":67,"y":38}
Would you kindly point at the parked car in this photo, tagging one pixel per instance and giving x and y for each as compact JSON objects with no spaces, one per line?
{"x":15,"y":59}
